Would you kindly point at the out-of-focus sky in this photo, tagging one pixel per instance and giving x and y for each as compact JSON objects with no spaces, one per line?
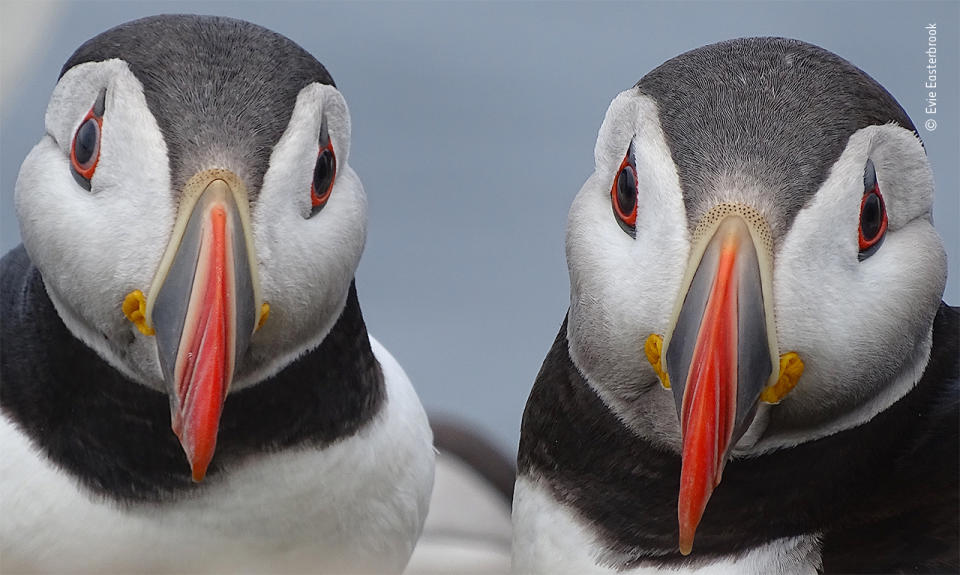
{"x":473,"y":129}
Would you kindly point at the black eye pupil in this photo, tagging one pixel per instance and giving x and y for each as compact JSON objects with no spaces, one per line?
{"x":323,"y":172}
{"x":871,"y":217}
{"x":626,"y":191}
{"x":86,"y":142}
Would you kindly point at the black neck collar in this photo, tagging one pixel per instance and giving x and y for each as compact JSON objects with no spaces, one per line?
{"x":902,"y":464}
{"x":114,"y":434}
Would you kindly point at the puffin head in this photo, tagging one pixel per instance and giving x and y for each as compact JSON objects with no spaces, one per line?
{"x":753,"y":262}
{"x":191,"y":208}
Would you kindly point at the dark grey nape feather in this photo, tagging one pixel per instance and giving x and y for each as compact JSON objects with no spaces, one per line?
{"x":221,"y":90}
{"x":774,"y":110}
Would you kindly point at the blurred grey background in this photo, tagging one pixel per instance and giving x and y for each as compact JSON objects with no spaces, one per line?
{"x":473,"y":128}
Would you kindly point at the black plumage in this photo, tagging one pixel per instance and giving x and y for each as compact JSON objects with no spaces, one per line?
{"x":114,"y":435}
{"x":883,"y":495}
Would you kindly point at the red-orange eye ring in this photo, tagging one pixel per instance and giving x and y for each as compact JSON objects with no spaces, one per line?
{"x":873,"y":220}
{"x":324,"y":171}
{"x":623,"y":194}
{"x":85,"y":146}
{"x":873,"y":215}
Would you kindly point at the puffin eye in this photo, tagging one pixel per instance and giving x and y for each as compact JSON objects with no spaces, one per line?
{"x":85,"y":148}
{"x":623,"y":194}
{"x":324,"y":172}
{"x":873,"y":214}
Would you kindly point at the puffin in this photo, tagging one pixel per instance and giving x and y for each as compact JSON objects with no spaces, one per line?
{"x":188,"y":384}
{"x":756,"y":372}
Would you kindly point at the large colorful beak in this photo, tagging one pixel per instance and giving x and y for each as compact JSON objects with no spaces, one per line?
{"x":721,"y":352}
{"x":204,"y":306}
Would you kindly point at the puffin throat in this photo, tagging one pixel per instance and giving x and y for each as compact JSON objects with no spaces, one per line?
{"x":205,"y":309}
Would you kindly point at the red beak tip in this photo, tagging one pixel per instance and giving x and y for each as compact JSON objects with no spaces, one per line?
{"x":688,"y":529}
{"x":199,"y":473}
{"x":200,"y":462}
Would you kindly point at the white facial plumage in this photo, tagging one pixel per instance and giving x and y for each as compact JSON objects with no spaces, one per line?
{"x":93,"y":247}
{"x":306,"y":263}
{"x":622,"y":289}
{"x":863,"y":328}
